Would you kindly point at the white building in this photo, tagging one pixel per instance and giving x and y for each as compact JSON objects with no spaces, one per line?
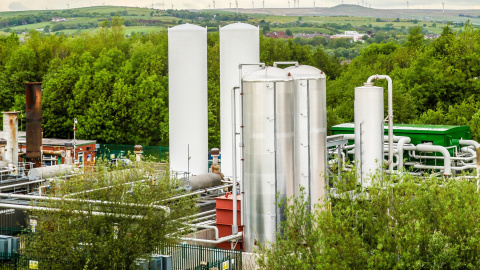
{"x":351,"y":35}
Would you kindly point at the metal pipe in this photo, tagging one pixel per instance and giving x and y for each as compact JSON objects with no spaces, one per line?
{"x":390,"y":116}
{"x":196,"y":192}
{"x":234,"y":165}
{"x":433,"y":167}
{"x":469,"y":142}
{"x":217,"y":234}
{"x":33,"y":197}
{"x":22,"y":184}
{"x":218,"y":241}
{"x":285,"y":63}
{"x":439,"y":149}
{"x":400,"y":145}
{"x":102,"y":188}
{"x":40,"y":208}
{"x":60,"y":153}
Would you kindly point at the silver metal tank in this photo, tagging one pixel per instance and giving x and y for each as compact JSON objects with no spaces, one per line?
{"x":369,"y":131}
{"x":310,"y":112}
{"x":268,"y":151}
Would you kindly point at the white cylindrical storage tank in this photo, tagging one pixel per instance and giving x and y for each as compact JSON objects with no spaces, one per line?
{"x":369,"y":132}
{"x":239,"y":44}
{"x":310,"y":112}
{"x":268,"y":151}
{"x":187,"y":96}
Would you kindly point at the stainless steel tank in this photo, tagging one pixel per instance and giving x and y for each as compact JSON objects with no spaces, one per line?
{"x":310,"y":112}
{"x":268,"y":151}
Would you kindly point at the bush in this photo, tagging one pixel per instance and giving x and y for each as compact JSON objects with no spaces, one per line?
{"x":403,"y":223}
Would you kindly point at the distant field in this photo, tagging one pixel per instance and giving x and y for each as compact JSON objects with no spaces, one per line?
{"x":156,"y":20}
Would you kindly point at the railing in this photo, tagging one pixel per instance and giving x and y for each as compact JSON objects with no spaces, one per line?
{"x":183,"y":257}
{"x":199,"y":257}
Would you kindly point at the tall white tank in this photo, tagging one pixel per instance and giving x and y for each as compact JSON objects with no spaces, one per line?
{"x":187,"y":96}
{"x":310,"y":109}
{"x":239,"y":44}
{"x":268,"y":151}
{"x":369,"y":131}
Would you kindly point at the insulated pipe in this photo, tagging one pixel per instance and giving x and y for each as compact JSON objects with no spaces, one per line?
{"x":94,"y":213}
{"x":22,"y":184}
{"x":440,"y":149}
{"x":205,"y":180}
{"x":206,"y":227}
{"x":469,"y":142}
{"x":400,"y":145}
{"x":218,"y":241}
{"x":390,"y":116}
{"x":33,"y":197}
{"x":234,"y":164}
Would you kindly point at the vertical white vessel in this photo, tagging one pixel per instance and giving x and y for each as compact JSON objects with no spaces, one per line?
{"x":187,"y":96}
{"x":239,"y":44}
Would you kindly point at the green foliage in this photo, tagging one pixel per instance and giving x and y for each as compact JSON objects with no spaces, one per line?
{"x":398,"y":223}
{"x":106,"y":219}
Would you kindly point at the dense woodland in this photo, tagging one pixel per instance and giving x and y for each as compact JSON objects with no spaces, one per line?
{"x":117,"y":87}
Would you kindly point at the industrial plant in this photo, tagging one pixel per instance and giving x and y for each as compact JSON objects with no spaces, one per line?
{"x":274,"y":142}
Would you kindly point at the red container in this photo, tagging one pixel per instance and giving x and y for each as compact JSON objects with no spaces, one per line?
{"x":224,"y":207}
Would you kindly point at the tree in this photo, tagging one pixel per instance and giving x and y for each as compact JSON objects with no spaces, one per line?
{"x":400,"y":223}
{"x":288,"y":32}
{"x":107,"y":219}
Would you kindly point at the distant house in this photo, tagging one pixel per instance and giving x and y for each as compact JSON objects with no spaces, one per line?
{"x":431,"y":36}
{"x":350,"y":35}
{"x":277,"y":34}
{"x":56,"y":19}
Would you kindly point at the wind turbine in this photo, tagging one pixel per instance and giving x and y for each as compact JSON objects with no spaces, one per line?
{"x":236,"y":4}
{"x":263,"y":4}
{"x":298,"y":3}
{"x":253,"y":4}
{"x":288,"y":3}
{"x":68,"y":6}
{"x":213,"y":4}
{"x":313,"y":4}
{"x":208,"y":6}
{"x":443,"y":4}
{"x":407,"y":5}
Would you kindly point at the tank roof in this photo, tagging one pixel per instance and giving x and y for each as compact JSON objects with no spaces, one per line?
{"x":305,"y":72}
{"x":239,"y":26}
{"x":186,"y":27}
{"x":267,"y":74}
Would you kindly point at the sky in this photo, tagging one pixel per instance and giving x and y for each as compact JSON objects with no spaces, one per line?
{"x":17,"y":5}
